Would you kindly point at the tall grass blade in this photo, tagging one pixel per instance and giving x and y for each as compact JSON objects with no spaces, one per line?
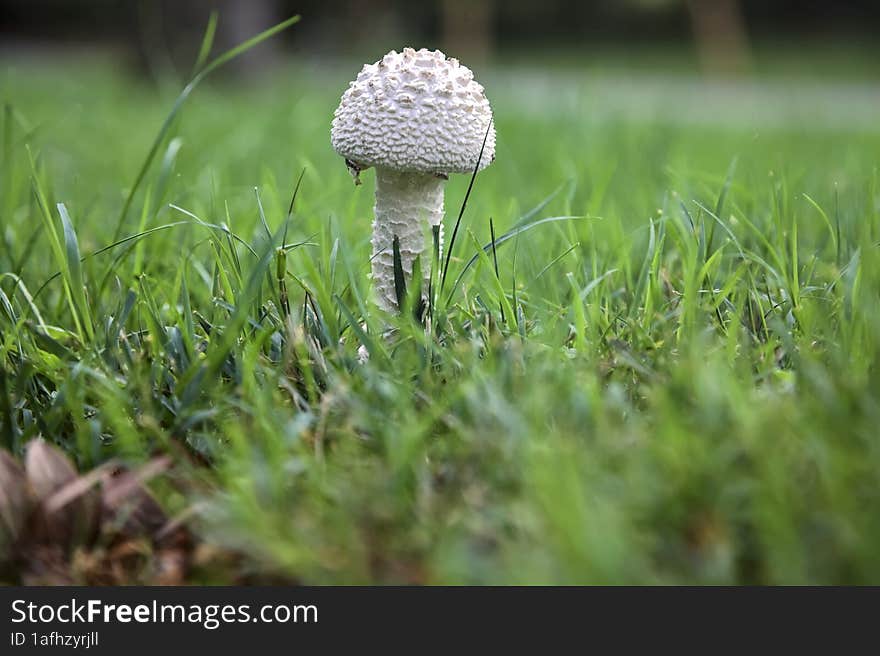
{"x":181,"y":99}
{"x":462,"y":208}
{"x":510,"y":234}
{"x":399,"y":279}
{"x":73,"y":270}
{"x":495,"y":263}
{"x":207,"y":42}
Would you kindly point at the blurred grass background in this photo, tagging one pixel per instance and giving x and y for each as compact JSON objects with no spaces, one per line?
{"x":678,"y":385}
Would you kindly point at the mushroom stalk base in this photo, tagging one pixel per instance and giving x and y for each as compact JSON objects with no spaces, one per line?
{"x":408,"y":205}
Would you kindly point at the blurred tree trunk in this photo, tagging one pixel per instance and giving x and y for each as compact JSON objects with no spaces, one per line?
{"x":169,"y":32}
{"x":359,"y":23}
{"x":239,"y":20}
{"x":720,"y":34}
{"x":467,"y":29}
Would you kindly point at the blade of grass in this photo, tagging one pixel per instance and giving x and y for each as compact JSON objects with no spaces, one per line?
{"x":54,"y":242}
{"x":463,"y":206}
{"x":399,"y":279}
{"x":222,"y":59}
{"x":719,"y":204}
{"x":373,"y":347}
{"x":510,"y":234}
{"x":495,"y":263}
{"x":207,"y":42}
{"x":74,"y":271}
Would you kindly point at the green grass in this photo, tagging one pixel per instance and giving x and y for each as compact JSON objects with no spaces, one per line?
{"x":680,"y":384}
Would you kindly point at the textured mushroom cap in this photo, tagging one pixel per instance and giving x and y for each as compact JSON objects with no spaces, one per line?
{"x":414,"y":111}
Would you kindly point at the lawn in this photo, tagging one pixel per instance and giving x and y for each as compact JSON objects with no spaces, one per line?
{"x":670,"y":376}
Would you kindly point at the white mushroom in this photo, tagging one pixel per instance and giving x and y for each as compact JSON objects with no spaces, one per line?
{"x":416,"y":117}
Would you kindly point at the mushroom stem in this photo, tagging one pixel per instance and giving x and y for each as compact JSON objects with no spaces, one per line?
{"x":407,"y":205}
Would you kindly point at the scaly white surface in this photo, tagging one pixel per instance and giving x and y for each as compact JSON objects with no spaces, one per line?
{"x":414,"y":111}
{"x":407,"y":205}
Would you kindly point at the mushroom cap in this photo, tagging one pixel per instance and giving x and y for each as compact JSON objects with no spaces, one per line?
{"x":415,"y":111}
